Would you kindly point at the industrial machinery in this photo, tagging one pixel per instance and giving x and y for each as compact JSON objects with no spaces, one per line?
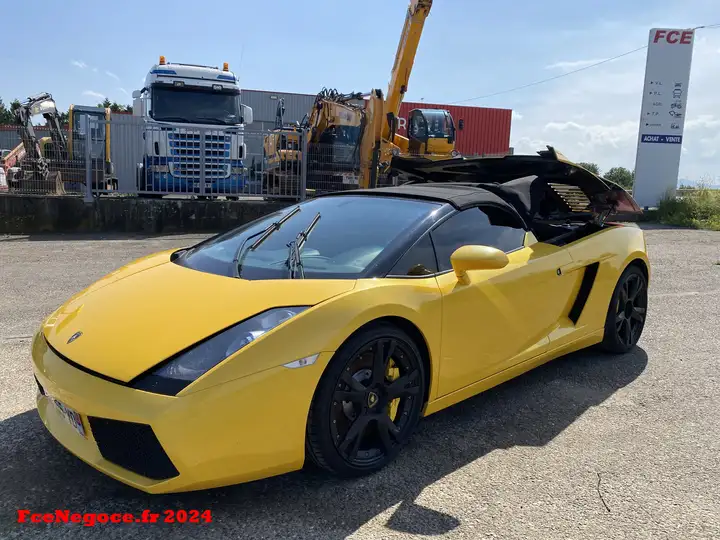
{"x":28,"y":165}
{"x":353,"y":137}
{"x":336,"y":126}
{"x":193,"y":131}
{"x":56,"y":164}
{"x":99,"y":137}
{"x":281,"y":154}
{"x":431,"y":132}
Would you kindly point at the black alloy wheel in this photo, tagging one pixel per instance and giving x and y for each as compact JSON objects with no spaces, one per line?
{"x":368,"y":402}
{"x":628,"y":309}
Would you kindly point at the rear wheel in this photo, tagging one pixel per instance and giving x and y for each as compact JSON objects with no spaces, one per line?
{"x":368,"y":402}
{"x":628,"y":308}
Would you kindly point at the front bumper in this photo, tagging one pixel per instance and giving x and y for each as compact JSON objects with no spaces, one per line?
{"x":242,"y":430}
{"x":166,"y":182}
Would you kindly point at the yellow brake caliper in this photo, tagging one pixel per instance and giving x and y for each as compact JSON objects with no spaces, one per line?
{"x":393,"y":373}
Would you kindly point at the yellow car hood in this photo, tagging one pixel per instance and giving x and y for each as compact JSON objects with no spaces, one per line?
{"x":152,"y":309}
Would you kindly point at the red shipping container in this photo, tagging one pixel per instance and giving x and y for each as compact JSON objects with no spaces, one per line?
{"x":485,"y":131}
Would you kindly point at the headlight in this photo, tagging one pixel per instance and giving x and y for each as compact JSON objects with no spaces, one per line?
{"x":159,"y":168}
{"x":179,"y":371}
{"x":238,"y":170}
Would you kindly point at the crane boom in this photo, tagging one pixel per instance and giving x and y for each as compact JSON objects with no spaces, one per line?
{"x":417,"y":12}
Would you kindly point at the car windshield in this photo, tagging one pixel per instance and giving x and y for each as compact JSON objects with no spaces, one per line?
{"x":196,"y":106}
{"x":350,"y":235}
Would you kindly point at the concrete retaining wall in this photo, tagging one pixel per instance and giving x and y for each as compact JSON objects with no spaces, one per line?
{"x":27,"y":214}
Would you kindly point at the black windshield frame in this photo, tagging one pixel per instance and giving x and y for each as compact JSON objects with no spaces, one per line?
{"x":208,"y":106}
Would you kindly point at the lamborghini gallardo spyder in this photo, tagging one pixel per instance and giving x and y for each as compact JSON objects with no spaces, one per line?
{"x":324,"y":332}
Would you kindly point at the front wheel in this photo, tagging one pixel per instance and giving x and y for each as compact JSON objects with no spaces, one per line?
{"x":626,"y":315}
{"x":368,"y":402}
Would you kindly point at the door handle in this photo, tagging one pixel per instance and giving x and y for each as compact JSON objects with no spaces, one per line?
{"x":571,"y":267}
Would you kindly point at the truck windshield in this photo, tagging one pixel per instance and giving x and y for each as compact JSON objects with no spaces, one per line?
{"x":196,"y":105}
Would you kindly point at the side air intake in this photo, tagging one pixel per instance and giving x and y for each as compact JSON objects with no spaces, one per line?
{"x":588,"y":280}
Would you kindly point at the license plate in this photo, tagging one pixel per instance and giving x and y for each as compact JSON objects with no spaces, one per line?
{"x":70,"y":416}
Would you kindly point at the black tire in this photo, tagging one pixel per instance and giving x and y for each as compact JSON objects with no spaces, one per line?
{"x":351,"y":374}
{"x":627,"y":312}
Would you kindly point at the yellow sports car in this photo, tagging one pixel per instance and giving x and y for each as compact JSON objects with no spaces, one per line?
{"x":325,"y":331}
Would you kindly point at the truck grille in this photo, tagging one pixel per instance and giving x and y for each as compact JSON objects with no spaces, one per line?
{"x":187,"y":149}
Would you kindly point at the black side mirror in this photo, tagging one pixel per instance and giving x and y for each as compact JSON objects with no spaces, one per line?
{"x":461,"y":124}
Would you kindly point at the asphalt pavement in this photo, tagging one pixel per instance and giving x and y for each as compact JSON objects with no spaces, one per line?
{"x":588,"y":446}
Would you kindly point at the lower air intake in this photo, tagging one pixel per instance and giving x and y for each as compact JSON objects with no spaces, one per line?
{"x":133,"y":447}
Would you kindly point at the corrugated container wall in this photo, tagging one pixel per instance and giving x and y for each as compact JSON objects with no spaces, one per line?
{"x":264,"y":105}
{"x":485,"y":131}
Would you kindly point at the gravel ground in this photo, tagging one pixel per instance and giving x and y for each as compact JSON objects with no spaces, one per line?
{"x":588,"y":446}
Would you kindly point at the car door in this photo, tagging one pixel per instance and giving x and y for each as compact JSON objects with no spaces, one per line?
{"x":502,"y":316}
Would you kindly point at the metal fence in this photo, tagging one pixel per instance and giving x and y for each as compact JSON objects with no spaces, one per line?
{"x":129,"y":156}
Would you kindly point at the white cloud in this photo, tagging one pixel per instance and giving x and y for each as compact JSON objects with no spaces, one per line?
{"x":516,"y":115}
{"x":79,"y":63}
{"x":124,"y":91}
{"x":95,"y":70}
{"x":91,"y":93}
{"x":595,"y":135}
{"x":573,"y":64}
{"x":111,"y":74}
{"x":702,"y":121}
{"x":710,"y":146}
{"x":594,"y":115}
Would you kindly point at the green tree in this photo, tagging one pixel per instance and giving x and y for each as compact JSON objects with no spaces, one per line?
{"x":114,"y":106}
{"x":64,"y":117}
{"x":6,"y":115}
{"x":592,"y":167}
{"x":621,"y":176}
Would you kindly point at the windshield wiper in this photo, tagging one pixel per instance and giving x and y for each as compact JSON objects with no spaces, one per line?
{"x":264,"y":234}
{"x":294,"y":262}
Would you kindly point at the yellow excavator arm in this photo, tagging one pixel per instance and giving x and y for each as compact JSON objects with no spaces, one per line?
{"x":417,"y":12}
{"x":369,"y":123}
{"x":431,"y":133}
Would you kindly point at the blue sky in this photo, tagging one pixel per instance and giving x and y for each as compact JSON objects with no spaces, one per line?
{"x":469,"y":48}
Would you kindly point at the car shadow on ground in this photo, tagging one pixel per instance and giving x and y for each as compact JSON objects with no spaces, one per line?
{"x":531,"y":410}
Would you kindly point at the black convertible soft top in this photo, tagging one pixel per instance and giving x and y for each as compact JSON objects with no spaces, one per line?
{"x":537,"y":188}
{"x":460,"y":196}
{"x":545,"y":186}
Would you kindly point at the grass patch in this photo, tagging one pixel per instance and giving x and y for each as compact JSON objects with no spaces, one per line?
{"x":699,"y":209}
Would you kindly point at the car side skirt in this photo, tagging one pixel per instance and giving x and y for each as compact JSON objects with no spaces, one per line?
{"x":510,"y":373}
